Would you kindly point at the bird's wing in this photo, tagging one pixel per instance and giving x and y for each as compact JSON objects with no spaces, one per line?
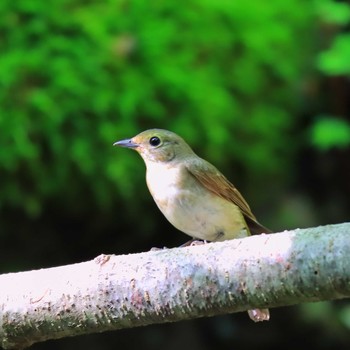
{"x":214,"y":181}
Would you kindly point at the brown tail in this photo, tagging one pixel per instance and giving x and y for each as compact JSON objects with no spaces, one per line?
{"x":256,"y":228}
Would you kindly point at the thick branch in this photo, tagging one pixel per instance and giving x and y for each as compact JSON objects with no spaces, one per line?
{"x":175,"y":284}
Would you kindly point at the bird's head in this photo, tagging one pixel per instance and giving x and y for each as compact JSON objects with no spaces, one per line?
{"x":157,"y":145}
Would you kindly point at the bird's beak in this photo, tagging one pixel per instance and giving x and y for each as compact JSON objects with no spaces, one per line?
{"x":128,"y":143}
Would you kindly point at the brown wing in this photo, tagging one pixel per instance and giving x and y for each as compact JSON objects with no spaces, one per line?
{"x":214,"y":181}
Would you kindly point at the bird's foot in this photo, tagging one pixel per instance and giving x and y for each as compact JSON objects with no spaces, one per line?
{"x":155,"y":249}
{"x":102,"y":259}
{"x":192,"y":242}
{"x":198,"y":242}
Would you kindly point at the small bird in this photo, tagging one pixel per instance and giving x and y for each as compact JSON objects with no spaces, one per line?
{"x":192,"y":194}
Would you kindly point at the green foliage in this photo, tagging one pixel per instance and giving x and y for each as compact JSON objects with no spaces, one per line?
{"x":335,"y":60}
{"x":330,"y":132}
{"x":77,"y":75}
{"x":333,"y":11}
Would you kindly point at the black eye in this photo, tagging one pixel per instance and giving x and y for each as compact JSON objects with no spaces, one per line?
{"x":154,"y":141}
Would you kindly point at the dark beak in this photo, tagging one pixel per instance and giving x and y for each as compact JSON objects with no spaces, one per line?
{"x":126,"y":143}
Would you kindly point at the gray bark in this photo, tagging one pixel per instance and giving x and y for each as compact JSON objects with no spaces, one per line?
{"x":114,"y":292}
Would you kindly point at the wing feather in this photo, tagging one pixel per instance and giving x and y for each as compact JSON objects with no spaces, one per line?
{"x":214,"y":181}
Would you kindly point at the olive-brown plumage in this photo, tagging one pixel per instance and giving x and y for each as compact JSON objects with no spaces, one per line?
{"x":193,"y":194}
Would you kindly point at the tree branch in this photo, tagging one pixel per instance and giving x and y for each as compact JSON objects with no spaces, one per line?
{"x":114,"y":292}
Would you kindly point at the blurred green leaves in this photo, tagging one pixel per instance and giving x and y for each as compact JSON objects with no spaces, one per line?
{"x":333,"y":11}
{"x":75,"y":76}
{"x":336,"y":59}
{"x":329,"y":132}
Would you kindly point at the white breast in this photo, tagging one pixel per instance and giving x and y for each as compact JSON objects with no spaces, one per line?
{"x":163,"y":181}
{"x":189,"y":206}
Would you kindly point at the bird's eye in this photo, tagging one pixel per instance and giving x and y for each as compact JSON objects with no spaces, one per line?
{"x":154,"y":141}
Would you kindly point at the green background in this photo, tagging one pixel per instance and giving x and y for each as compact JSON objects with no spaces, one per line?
{"x":259,"y":89}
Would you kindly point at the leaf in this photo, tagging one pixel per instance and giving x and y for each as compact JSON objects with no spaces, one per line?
{"x":329,"y":132}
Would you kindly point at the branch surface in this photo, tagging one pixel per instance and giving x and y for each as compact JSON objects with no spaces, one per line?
{"x":114,"y":292}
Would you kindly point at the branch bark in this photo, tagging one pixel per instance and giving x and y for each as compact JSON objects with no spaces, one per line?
{"x":114,"y":292}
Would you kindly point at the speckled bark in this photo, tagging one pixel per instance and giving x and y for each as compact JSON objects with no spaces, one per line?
{"x":175,"y":284}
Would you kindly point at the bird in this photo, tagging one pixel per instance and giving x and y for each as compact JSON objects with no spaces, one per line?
{"x":193,"y":194}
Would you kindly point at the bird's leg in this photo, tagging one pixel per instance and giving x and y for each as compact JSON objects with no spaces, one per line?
{"x":189,"y":243}
{"x":154,"y":249}
{"x":192,"y":242}
{"x":198,"y":242}
{"x":102,"y":259}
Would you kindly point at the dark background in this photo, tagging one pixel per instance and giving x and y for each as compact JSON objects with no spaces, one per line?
{"x":261,"y":91}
